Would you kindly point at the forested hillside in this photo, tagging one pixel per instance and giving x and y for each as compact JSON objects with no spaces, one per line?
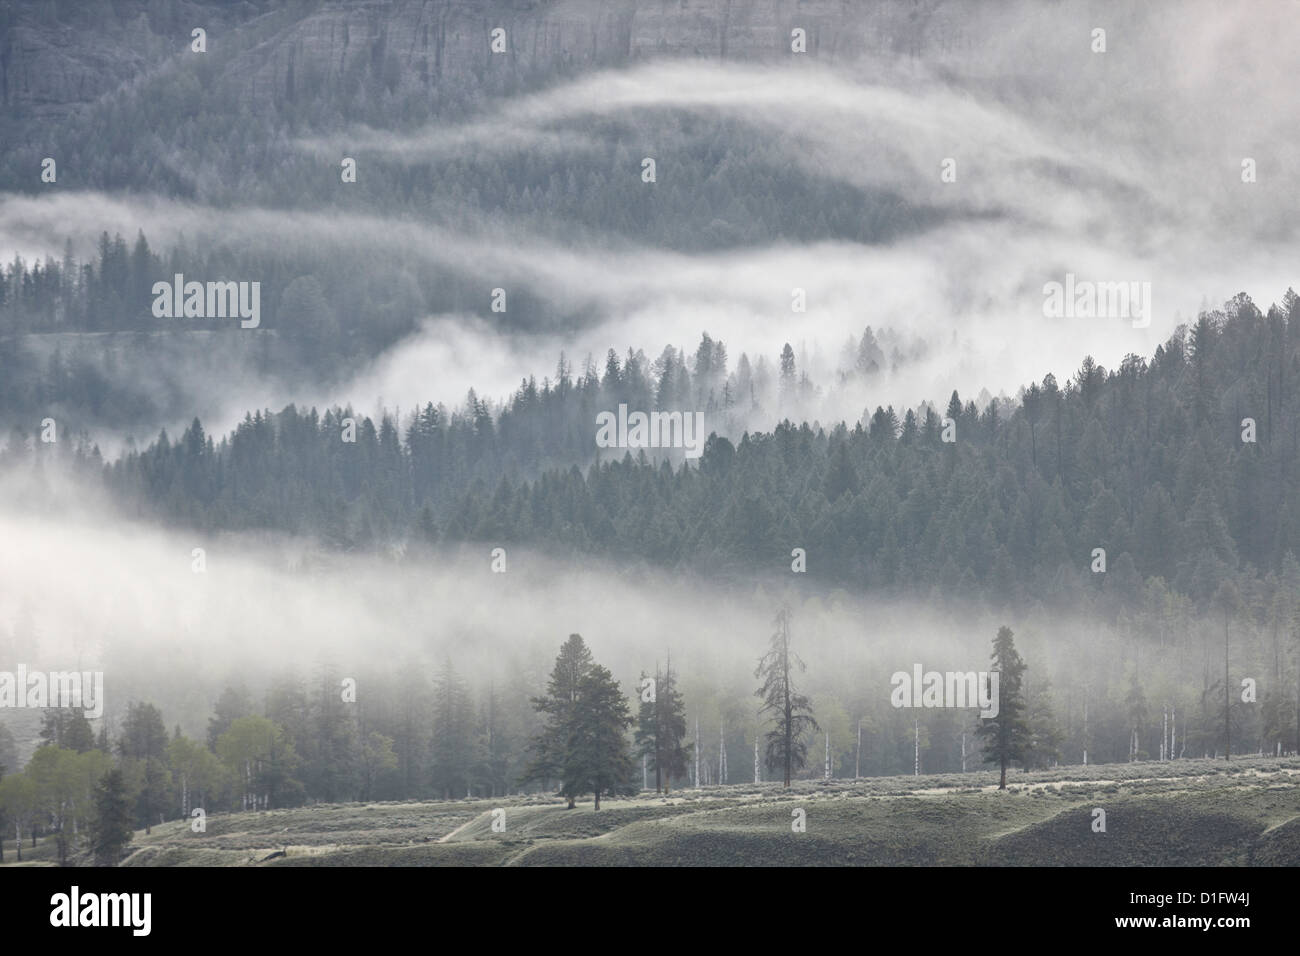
{"x":372,"y":541}
{"x":1147,"y":461}
{"x":226,"y":166}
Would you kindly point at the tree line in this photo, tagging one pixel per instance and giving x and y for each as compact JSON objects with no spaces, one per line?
{"x":88,"y":791}
{"x":1149,"y":462}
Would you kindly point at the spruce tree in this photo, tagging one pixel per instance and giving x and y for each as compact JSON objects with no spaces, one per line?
{"x":597,"y":757}
{"x":661,"y":730}
{"x":551,"y":745}
{"x":1006,"y":736}
{"x":143,"y":747}
{"x":453,"y":735}
{"x":110,"y":830}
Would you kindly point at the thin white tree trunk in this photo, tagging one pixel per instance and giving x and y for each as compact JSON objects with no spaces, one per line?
{"x":697,"y":753}
{"x":1085,"y":727}
{"x":722,"y":753}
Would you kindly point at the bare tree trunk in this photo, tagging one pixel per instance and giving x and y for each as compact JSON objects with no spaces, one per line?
{"x":1085,"y":727}
{"x":857,"y":761}
{"x":1227,"y":695}
{"x":722,"y":753}
{"x":758,"y":775}
{"x":697,"y":753}
{"x":147,"y":807}
{"x":789,"y":737}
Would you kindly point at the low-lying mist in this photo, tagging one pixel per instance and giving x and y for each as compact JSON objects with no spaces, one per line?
{"x":83,"y":589}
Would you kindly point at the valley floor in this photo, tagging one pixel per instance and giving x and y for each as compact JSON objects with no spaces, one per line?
{"x":1184,"y":813}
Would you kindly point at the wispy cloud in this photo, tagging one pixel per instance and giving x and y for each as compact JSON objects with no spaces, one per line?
{"x":1116,"y":166}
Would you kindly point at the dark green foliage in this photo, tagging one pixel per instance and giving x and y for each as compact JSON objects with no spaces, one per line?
{"x":661,"y":730}
{"x":111,"y":828}
{"x":233,"y":703}
{"x":1011,"y":511}
{"x":143,"y":748}
{"x":597,"y":757}
{"x":582,"y":743}
{"x":68,"y":728}
{"x":1006,"y":736}
{"x":550,"y":745}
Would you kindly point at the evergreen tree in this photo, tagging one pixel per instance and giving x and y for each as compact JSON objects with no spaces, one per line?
{"x":452,"y":750}
{"x":143,"y":747}
{"x":661,"y":730}
{"x":597,"y":759}
{"x":551,"y":744}
{"x":79,"y":735}
{"x":67,"y":727}
{"x":787,"y":381}
{"x":786,"y":748}
{"x":1044,"y":746}
{"x":233,"y":703}
{"x":110,"y":832}
{"x":1006,"y":736}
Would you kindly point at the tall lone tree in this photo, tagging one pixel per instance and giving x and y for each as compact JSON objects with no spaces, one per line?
{"x":786,"y":748}
{"x":661,"y":728}
{"x":1006,"y":736}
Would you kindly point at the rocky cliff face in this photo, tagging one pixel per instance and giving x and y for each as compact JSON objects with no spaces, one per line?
{"x":55,"y":57}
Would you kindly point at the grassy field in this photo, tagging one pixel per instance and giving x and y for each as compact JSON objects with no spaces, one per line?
{"x":1198,"y":813}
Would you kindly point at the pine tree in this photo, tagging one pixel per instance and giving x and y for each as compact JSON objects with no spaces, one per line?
{"x":550,"y":746}
{"x":453,"y":744}
{"x":233,"y":703}
{"x":110,"y":830}
{"x":792,"y":711}
{"x":787,"y":380}
{"x":661,"y":730}
{"x":1006,"y":736}
{"x":647,"y":729}
{"x":143,"y":746}
{"x":1044,"y":747}
{"x":597,"y":758}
